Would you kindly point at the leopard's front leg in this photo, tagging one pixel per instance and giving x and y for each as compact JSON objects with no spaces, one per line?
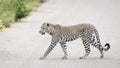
{"x":50,"y":48}
{"x":63,"y":45}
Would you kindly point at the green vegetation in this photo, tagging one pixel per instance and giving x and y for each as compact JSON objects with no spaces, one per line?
{"x":12,"y":10}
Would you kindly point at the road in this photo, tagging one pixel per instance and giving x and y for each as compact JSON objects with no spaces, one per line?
{"x":21,"y":45}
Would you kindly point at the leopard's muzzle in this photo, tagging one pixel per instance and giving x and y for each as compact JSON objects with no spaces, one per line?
{"x":41,"y":32}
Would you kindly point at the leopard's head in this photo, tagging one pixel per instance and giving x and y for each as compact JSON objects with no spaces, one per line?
{"x":47,"y":28}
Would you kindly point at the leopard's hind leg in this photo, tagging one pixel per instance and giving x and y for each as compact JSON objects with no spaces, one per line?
{"x":100,"y":48}
{"x":96,"y":43}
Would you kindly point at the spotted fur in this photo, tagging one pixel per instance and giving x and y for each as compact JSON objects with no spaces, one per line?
{"x":62,"y":34}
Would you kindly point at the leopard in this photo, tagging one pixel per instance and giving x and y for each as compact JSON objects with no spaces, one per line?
{"x":63,"y":34}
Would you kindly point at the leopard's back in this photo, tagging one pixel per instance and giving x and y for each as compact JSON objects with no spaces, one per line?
{"x":70,"y":33}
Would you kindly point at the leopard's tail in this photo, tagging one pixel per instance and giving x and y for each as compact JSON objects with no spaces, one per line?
{"x":107,"y":47}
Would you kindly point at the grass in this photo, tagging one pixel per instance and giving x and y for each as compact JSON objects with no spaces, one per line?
{"x":13,"y":10}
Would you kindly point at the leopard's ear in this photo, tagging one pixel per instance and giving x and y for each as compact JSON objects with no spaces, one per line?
{"x":48,"y":24}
